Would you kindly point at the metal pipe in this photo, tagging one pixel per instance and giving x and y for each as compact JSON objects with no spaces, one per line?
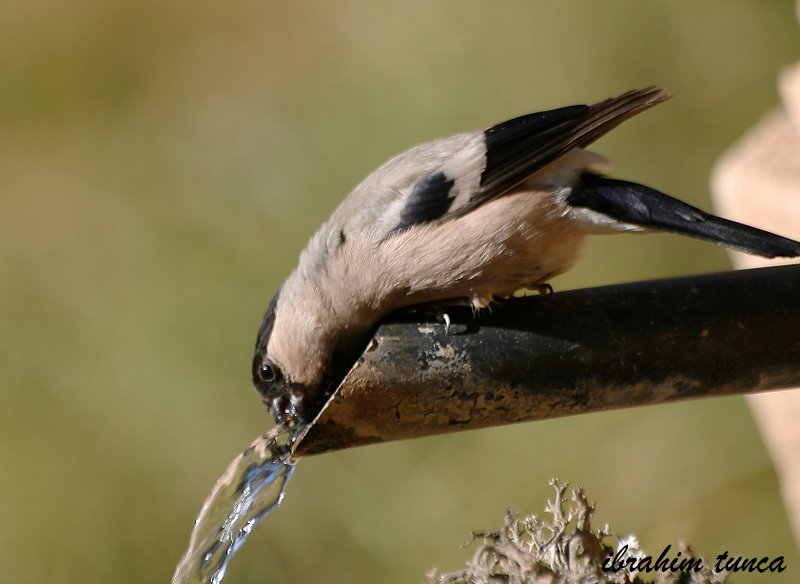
{"x":575,"y":352}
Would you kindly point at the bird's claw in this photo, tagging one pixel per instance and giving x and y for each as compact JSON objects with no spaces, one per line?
{"x":446,"y":319}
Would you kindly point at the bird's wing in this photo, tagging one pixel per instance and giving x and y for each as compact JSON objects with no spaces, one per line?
{"x":517,"y":148}
{"x":452,"y":176}
{"x":506,"y":154}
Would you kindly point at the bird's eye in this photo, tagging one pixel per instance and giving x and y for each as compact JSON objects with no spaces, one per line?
{"x":268,"y":372}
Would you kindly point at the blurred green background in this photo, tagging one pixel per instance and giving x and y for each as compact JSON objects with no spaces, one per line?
{"x":162,"y":165}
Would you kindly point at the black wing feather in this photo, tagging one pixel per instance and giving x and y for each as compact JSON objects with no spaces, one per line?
{"x":429,"y":200}
{"x":519,"y":147}
{"x":526,"y":137}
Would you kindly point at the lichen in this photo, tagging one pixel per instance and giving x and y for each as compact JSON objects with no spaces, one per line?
{"x":566,"y":549}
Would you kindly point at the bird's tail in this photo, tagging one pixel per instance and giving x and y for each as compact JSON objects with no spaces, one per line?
{"x":636,"y":204}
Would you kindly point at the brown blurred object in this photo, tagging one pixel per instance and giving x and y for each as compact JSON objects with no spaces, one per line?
{"x":758,"y":182}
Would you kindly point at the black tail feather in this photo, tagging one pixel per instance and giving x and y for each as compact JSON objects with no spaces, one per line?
{"x":637,"y":204}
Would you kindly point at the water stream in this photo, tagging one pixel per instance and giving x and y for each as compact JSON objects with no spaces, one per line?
{"x":251,"y":488}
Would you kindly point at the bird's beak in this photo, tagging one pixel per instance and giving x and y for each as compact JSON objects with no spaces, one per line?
{"x":292,"y":407}
{"x":282,"y":408}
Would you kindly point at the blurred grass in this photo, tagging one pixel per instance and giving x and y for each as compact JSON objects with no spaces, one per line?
{"x":162,"y":165}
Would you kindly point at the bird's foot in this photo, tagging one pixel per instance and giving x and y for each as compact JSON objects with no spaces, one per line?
{"x":480,"y":301}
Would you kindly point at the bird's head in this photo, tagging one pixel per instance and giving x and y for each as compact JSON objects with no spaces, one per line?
{"x":293,"y":351}
{"x":309,"y":339}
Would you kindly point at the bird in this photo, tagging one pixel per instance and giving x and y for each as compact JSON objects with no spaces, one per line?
{"x":472,"y":218}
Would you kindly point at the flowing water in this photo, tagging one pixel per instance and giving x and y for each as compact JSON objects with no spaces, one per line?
{"x":251,"y":488}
